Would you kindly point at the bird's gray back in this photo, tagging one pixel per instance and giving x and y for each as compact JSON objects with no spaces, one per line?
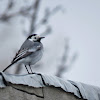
{"x":27,"y":44}
{"x":36,"y":56}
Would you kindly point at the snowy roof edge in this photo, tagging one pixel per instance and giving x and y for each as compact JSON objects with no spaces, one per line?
{"x":80,"y":90}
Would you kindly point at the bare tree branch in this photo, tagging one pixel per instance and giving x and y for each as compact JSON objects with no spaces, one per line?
{"x":64,"y":59}
{"x":47,"y":31}
{"x":18,"y":68}
{"x":34,"y":16}
{"x":10,"y":5}
{"x":63,"y":67}
{"x":24,"y":11}
{"x":47,"y":15}
{"x":73,"y":59}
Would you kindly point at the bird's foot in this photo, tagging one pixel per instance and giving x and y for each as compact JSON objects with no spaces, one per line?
{"x":32,"y":73}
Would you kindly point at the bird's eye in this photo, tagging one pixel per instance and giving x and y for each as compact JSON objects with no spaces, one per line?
{"x":34,"y":37}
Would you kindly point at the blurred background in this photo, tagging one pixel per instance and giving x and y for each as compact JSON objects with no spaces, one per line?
{"x":71,"y":28}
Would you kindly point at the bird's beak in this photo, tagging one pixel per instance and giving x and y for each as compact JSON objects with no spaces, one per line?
{"x":42,"y":37}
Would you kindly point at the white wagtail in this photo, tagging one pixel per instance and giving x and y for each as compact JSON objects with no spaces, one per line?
{"x":30,"y":52}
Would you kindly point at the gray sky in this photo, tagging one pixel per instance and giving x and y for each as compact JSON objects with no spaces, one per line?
{"x":81,"y":24}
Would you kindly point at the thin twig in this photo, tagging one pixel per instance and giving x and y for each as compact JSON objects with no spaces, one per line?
{"x":34,"y":16}
{"x":64,"y":59}
{"x":47,"y":15}
{"x":63,"y":67}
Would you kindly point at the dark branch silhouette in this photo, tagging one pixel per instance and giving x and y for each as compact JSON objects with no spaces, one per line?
{"x":34,"y":16}
{"x":62,"y":68}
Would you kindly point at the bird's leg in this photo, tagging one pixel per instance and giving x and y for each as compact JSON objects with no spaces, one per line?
{"x":31,"y":69}
{"x":27,"y":69}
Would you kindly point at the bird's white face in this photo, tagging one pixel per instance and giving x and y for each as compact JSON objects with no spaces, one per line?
{"x":34,"y":38}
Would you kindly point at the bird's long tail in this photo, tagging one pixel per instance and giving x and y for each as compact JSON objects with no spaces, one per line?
{"x":8,"y":67}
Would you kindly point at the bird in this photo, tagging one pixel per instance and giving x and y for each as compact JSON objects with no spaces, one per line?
{"x":29,"y":53}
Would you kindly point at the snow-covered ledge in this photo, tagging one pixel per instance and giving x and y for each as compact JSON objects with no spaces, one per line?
{"x":44,"y":87}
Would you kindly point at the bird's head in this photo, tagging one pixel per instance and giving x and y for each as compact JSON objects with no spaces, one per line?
{"x":35,"y":38}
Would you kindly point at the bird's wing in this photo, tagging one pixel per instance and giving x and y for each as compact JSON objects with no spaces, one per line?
{"x":25,"y":52}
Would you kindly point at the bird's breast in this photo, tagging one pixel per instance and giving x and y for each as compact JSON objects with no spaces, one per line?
{"x":34,"y":57}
